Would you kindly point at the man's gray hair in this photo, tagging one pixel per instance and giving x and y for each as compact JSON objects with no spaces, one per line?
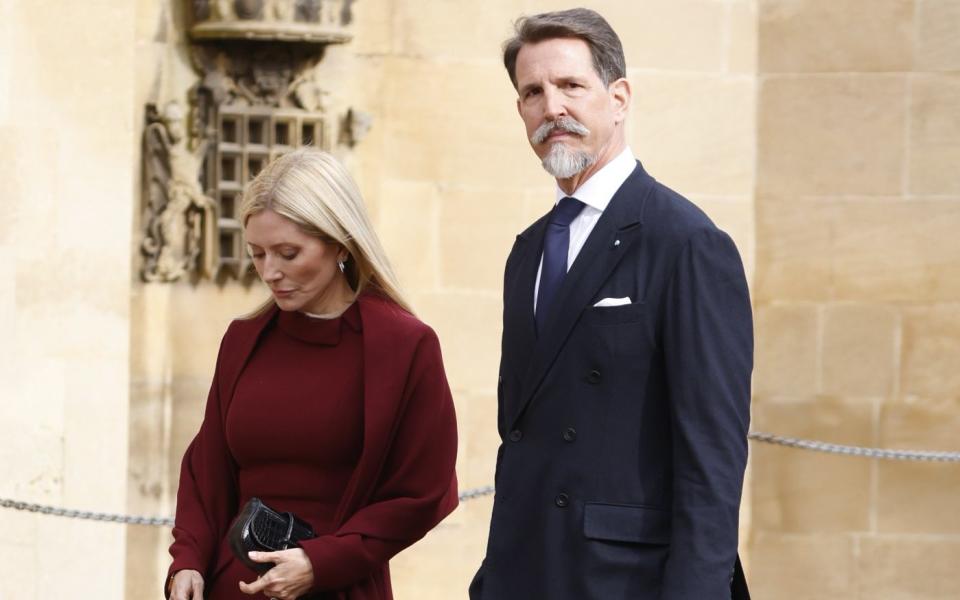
{"x":579,"y":23}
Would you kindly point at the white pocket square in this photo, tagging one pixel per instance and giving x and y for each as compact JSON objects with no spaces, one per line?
{"x":613,"y":302}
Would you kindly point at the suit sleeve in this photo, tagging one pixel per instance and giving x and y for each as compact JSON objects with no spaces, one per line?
{"x":708,"y":346}
{"x":417,"y":487}
{"x":206,"y":495}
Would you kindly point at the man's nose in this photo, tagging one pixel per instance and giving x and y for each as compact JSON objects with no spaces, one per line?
{"x":554,"y":106}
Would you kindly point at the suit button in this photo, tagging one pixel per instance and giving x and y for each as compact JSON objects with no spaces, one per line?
{"x":594,"y":376}
{"x":569,"y":434}
{"x":516,"y":435}
{"x":562,"y":500}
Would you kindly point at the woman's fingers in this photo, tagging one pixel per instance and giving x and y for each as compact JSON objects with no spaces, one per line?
{"x":197,"y":589}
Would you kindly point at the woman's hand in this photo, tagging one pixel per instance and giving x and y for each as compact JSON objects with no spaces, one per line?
{"x":187,"y":585}
{"x":291,"y":578}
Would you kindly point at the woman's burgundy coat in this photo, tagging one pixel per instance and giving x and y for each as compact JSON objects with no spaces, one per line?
{"x":403,"y":485}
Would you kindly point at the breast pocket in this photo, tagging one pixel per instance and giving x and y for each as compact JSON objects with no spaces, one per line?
{"x":621,"y":330}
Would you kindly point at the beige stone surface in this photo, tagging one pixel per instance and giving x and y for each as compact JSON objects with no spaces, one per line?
{"x":860,"y":350}
{"x":408,"y":225}
{"x":441,"y":566}
{"x":938,"y":46}
{"x":460,"y":31}
{"x":831,"y":135}
{"x":803,"y":492}
{"x":905,"y":251}
{"x":803,"y":567}
{"x":678,"y":35}
{"x":787,"y":344}
{"x":909,"y":567}
{"x":919,"y":497}
{"x":935,"y":133}
{"x":931,"y":345}
{"x":742,"y":37}
{"x":858,"y":249}
{"x":794,"y":250}
{"x":468,"y":325}
{"x":471,"y":132}
{"x":696,"y":133}
{"x":477,"y":227}
{"x":841,"y":35}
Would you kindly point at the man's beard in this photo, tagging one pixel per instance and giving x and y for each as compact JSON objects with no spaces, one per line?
{"x":560,"y":161}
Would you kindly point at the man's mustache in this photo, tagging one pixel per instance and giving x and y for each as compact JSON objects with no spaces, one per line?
{"x":568,"y":124}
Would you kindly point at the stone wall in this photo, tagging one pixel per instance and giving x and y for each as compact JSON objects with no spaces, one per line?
{"x":66,"y":201}
{"x":822,"y":135}
{"x":856,"y":293}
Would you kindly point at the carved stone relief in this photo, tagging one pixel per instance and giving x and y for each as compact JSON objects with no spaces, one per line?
{"x":258,"y":96}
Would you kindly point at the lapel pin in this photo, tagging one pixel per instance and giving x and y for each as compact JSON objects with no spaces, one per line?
{"x":616,"y":242}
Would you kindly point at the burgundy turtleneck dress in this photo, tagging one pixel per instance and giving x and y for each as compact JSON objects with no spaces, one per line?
{"x":295,"y":424}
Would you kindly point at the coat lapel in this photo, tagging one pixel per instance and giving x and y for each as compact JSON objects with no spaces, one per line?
{"x":520,"y":333}
{"x":617,"y":231}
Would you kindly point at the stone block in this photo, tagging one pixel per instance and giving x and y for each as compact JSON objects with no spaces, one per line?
{"x":696,"y":133}
{"x":477,"y":227}
{"x":22,"y":581}
{"x":794,"y":250}
{"x":408,"y":224}
{"x":908,"y":568}
{"x":787,"y":344}
{"x":860,"y":352}
{"x":827,"y":135}
{"x":741,"y":34}
{"x":802,"y":567}
{"x":937,"y":42}
{"x":441,"y":565}
{"x":680,"y":35}
{"x":935,"y":133}
{"x":438,"y":29}
{"x":931,"y":350}
{"x":899,"y":251}
{"x":837,"y":36}
{"x":469,"y":326}
{"x":917,"y":497}
{"x":470,"y":135}
{"x":373,"y":27}
{"x":801,"y":491}
{"x":477,"y":420}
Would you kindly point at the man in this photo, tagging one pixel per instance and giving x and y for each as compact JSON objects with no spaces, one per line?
{"x":627,"y":349}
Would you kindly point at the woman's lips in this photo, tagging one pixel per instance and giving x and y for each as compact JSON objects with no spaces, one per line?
{"x":282,"y":293}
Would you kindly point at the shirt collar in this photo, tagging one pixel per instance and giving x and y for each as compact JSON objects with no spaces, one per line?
{"x":597,"y":191}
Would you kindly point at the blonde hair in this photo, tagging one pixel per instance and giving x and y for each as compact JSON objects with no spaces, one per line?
{"x":311,"y":188}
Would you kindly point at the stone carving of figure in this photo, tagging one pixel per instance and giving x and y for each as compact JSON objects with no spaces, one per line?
{"x":280,"y":10}
{"x":223,"y":10}
{"x":182,"y":223}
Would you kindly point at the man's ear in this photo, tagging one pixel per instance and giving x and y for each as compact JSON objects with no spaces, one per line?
{"x":620,"y":96}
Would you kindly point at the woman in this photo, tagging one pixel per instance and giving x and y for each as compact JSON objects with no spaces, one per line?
{"x":330,"y":402}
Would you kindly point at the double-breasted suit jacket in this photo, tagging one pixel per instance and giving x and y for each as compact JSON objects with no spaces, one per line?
{"x":623,"y":427}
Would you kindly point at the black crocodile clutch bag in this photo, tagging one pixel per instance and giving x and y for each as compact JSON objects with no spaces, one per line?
{"x":260,"y":528}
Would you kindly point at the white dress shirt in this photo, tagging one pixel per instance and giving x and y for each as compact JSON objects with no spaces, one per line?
{"x":596,"y":194}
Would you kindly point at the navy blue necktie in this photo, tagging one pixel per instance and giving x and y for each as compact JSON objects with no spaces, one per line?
{"x":556,"y":245}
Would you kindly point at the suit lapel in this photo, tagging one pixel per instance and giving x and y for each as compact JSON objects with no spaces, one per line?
{"x":617,"y":231}
{"x":520,"y":330}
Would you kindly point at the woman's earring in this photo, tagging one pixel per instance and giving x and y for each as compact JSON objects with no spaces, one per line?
{"x":343,"y":267}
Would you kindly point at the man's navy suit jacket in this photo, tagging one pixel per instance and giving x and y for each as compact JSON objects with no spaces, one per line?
{"x":624,"y":428}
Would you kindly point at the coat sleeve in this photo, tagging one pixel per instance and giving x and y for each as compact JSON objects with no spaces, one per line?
{"x":417,"y":486}
{"x":708,"y":345}
{"x":206,"y":496}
